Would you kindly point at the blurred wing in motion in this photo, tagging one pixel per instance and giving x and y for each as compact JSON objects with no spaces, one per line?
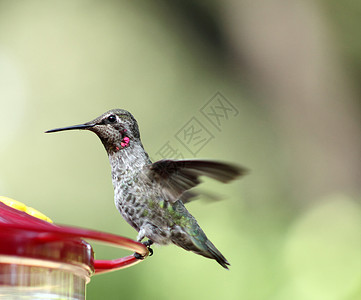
{"x":178,"y":176}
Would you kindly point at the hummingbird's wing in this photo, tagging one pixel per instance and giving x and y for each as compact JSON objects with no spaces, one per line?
{"x":189,"y":196}
{"x":177,"y":176}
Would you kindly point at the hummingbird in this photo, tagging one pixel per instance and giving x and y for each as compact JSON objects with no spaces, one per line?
{"x":151,"y":197}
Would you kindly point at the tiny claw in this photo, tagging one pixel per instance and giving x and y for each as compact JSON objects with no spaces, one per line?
{"x":147,"y":243}
{"x":138,"y":256}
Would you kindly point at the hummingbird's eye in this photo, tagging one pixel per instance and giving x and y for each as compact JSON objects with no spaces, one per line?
{"x":112,"y":118}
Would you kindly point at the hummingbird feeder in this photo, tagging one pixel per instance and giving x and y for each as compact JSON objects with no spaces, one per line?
{"x":42,"y":260}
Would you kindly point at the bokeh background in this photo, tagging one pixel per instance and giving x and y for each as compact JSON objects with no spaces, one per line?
{"x":292,"y":71}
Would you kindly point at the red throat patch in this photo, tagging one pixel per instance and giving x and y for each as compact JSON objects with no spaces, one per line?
{"x":124,"y":143}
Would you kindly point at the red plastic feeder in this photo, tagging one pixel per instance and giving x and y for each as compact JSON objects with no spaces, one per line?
{"x":40,"y":260}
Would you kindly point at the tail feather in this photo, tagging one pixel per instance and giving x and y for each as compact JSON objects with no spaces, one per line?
{"x":217,"y":255}
{"x":192,"y":238}
{"x":202,"y":247}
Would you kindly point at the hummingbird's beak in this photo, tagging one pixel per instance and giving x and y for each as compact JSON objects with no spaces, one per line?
{"x":81,"y":126}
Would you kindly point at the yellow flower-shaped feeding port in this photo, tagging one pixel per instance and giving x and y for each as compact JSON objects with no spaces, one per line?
{"x":22,"y":207}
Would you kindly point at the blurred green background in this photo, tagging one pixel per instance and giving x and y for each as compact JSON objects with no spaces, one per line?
{"x":290,"y":229}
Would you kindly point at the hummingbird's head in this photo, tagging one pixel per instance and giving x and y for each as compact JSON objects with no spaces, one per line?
{"x":117,"y":129}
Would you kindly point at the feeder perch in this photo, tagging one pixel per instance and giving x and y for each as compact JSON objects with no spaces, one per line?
{"x":42,"y":260}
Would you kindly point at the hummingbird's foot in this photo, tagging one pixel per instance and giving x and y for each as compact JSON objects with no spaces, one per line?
{"x":147,"y":244}
{"x":138,"y":256}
